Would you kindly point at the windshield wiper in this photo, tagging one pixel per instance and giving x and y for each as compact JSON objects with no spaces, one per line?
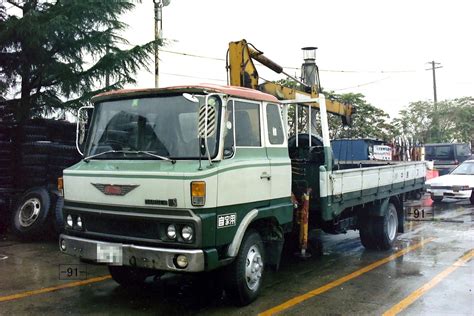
{"x":86,"y":159}
{"x":154,"y":155}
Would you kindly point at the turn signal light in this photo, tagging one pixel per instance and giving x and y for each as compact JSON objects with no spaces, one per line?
{"x":198,"y":193}
{"x":61,"y":186}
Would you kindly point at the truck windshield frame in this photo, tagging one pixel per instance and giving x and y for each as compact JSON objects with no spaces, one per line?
{"x":165,"y":125}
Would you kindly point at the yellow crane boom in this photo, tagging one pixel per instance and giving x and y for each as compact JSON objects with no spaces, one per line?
{"x":243,"y":73}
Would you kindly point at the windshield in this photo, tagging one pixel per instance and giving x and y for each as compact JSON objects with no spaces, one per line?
{"x":443,"y":152}
{"x":465,"y":168}
{"x":463,"y":150}
{"x":166,"y":126}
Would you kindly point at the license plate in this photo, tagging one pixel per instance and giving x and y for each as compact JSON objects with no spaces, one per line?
{"x":108,"y":253}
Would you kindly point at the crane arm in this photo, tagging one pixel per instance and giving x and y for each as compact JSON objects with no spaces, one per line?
{"x":243,"y":73}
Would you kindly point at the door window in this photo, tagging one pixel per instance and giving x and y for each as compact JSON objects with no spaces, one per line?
{"x":247,"y":124}
{"x":274,"y":126}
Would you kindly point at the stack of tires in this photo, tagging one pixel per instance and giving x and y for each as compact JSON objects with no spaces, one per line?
{"x":7,"y":163}
{"x":46,"y":148}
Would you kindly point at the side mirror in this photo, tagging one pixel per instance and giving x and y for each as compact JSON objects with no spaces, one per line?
{"x":83,"y":117}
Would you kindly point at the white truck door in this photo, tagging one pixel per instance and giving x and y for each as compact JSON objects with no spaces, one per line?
{"x":277,"y":152}
{"x":244,"y":174}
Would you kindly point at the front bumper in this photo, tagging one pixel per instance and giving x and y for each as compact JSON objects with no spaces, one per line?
{"x":450,"y":193}
{"x":131,"y":255}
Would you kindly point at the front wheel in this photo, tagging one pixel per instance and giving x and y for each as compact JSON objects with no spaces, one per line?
{"x":472,"y":197}
{"x":128,"y":276}
{"x":246,"y":272}
{"x":436,"y":199}
{"x":31,"y":213}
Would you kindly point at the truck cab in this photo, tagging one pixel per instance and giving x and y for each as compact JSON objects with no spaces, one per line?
{"x":184,"y":179}
{"x":199,"y":178}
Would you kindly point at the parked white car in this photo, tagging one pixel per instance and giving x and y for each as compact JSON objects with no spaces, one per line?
{"x":458,"y":184}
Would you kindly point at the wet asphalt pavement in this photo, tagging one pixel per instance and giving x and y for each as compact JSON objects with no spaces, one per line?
{"x":424,"y":259}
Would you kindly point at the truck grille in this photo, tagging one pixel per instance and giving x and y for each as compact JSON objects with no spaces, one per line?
{"x":122,"y":226}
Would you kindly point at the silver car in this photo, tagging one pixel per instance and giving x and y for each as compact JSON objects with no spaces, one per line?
{"x":458,"y":184}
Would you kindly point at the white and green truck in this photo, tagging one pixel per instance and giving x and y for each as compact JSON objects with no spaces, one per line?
{"x":201,"y":178}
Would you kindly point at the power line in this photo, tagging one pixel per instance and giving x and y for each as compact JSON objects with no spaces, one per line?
{"x":296,"y":68}
{"x":194,"y":77}
{"x":191,"y":55}
{"x":363,"y":84}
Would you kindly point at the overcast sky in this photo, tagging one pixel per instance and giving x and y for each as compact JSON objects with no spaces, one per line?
{"x":377,"y":48}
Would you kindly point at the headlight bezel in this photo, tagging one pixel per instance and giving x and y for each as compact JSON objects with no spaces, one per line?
{"x":179,"y":226}
{"x":171,"y":227}
{"x":189,"y":232}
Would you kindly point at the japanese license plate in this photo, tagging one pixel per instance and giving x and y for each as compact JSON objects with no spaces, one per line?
{"x":109,"y":253}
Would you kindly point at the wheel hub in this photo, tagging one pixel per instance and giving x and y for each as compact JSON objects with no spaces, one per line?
{"x":29,"y":212}
{"x":392,"y":223}
{"x":253,"y":268}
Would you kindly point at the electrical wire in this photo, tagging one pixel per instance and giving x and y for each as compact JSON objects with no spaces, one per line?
{"x":363,"y":84}
{"x":194,"y":77}
{"x":297,"y":68}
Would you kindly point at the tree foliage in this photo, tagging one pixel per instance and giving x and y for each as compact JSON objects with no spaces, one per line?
{"x":57,"y":54}
{"x":453,"y":121}
{"x":368,"y":121}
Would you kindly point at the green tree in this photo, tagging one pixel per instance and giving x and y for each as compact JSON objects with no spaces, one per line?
{"x":57,"y":54}
{"x":367,"y":122}
{"x":455,"y":121}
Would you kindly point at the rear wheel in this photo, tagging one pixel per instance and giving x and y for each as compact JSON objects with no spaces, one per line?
{"x":379,"y":232}
{"x":128,"y":276}
{"x":366,"y":232}
{"x":385,"y":228}
{"x":245,"y":273}
{"x":472,"y":197}
{"x":436,"y":198}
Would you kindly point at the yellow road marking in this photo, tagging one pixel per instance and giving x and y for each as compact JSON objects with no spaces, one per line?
{"x":53,"y":288}
{"x":296,"y":300}
{"x":426,"y":287}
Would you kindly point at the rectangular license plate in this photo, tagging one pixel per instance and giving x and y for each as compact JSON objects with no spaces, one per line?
{"x":109,"y":253}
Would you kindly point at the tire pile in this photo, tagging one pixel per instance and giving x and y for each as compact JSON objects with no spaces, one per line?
{"x":7,"y":167}
{"x":46,"y":149}
{"x":32,"y":157}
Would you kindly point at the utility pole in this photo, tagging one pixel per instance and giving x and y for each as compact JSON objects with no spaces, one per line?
{"x":159,"y":4}
{"x":434,"y":66}
{"x":158,"y":25}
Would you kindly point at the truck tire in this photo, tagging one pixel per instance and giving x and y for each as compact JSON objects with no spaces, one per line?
{"x":58,"y":215}
{"x":128,"y":277}
{"x":34,"y":159}
{"x":245,"y":273}
{"x":472,"y":197}
{"x":385,"y":228}
{"x":436,"y":199}
{"x":366,"y":233}
{"x":31,"y":213}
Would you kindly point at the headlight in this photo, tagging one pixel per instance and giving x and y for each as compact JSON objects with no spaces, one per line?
{"x":187,"y":233}
{"x":171,"y":231}
{"x":69,"y":221}
{"x":182,"y":261}
{"x":457,"y":188}
{"x":79,"y":222}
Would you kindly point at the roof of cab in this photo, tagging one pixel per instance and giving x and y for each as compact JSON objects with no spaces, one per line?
{"x":240,"y":92}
